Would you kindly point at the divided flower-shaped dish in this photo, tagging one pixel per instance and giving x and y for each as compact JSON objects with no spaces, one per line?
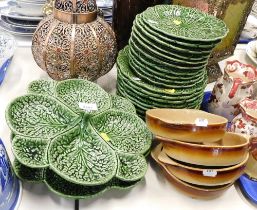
{"x":77,"y":138}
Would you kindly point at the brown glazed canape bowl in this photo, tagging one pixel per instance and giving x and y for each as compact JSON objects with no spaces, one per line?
{"x":232,"y":149}
{"x":203,"y":175}
{"x":187,"y":125}
{"x":194,"y":191}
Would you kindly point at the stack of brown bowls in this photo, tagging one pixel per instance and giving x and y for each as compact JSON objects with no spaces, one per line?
{"x":196,"y":153}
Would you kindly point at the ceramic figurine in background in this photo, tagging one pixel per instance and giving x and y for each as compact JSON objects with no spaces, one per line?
{"x":229,"y":90}
{"x":74,"y":42}
{"x":246,"y":121}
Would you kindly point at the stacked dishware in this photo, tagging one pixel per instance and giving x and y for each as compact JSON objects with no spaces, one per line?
{"x":21,"y":17}
{"x":7,"y":47}
{"x":164,"y":64}
{"x":196,"y":153}
{"x":106,"y":7}
{"x":84,"y":140}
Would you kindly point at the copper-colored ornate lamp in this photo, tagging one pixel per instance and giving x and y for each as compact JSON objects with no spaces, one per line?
{"x":74,"y":42}
{"x":234,"y":13}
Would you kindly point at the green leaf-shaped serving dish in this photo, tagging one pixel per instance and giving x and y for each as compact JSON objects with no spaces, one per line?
{"x":60,"y":138}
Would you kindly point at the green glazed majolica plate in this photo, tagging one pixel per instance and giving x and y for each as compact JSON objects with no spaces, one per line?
{"x":143,"y":67}
{"x":155,"y":60}
{"x":185,"y":23}
{"x":143,"y":44}
{"x":156,"y":78}
{"x":154,"y":101}
{"x":124,"y":70}
{"x":171,"y":43}
{"x":167,"y":94}
{"x":168,"y":72}
{"x":168,"y":49}
{"x":79,"y":134}
{"x":159,"y":82}
{"x":63,"y":187}
{"x":175,"y":41}
{"x":141,"y":107}
{"x":164,"y":95}
{"x":162,"y":71}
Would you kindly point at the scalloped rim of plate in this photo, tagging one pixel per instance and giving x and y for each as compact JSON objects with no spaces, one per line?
{"x":249,"y":50}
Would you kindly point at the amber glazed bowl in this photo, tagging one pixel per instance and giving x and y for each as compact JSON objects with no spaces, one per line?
{"x":203,"y":175}
{"x":194,"y":191}
{"x":232,"y":149}
{"x":188,"y":125}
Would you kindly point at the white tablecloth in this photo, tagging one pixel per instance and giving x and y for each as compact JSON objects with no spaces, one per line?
{"x":153,"y":193}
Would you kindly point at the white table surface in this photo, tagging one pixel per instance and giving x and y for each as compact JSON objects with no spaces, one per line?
{"x":153,"y":193}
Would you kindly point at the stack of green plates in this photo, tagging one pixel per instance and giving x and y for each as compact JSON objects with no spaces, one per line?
{"x":165,"y":62}
{"x":146,"y":96}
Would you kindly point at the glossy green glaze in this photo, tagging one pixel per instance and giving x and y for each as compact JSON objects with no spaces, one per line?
{"x":185,"y":23}
{"x":53,"y":136}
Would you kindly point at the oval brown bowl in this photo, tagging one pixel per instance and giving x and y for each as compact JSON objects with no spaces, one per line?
{"x":199,"y":192}
{"x":204,"y":175}
{"x":186,"y":124}
{"x":230,"y":150}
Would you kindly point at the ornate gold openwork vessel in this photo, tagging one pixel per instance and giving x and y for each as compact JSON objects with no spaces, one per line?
{"x":234,"y":13}
{"x":74,"y":42}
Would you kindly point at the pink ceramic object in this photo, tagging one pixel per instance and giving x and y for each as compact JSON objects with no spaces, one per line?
{"x":246,"y":121}
{"x":235,"y":85}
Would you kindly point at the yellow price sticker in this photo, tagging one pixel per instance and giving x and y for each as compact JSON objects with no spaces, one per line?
{"x":170,"y":90}
{"x":105,"y":136}
{"x":177,"y":22}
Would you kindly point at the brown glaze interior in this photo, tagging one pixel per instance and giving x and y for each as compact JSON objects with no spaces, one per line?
{"x":165,"y":159}
{"x":184,"y":116}
{"x":230,"y":140}
{"x":192,"y":190}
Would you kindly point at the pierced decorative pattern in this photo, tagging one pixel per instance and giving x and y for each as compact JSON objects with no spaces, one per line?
{"x":83,"y":6}
{"x":65,"y":5}
{"x":184,"y":22}
{"x":88,"y":53}
{"x":83,"y":149}
{"x":39,"y":38}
